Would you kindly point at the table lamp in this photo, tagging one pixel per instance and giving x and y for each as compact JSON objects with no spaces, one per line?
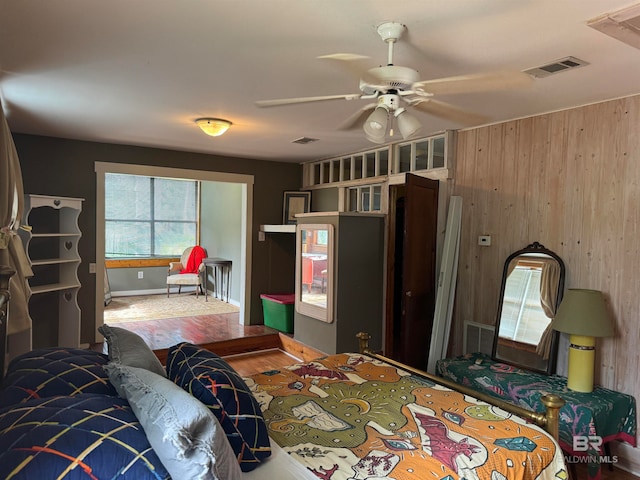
{"x":584,"y":316}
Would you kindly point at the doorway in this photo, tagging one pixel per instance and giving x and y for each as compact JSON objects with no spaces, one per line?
{"x":411,"y":270}
{"x":243,"y":269}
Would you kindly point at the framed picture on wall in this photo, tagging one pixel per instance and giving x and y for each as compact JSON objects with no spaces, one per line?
{"x":294,"y":203}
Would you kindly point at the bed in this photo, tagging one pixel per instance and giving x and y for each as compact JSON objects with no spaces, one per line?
{"x":72,"y":413}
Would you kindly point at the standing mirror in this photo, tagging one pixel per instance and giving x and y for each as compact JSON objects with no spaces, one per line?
{"x":532,"y":286}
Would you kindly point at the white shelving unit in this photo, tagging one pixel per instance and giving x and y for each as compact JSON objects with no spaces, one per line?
{"x":52,"y":248}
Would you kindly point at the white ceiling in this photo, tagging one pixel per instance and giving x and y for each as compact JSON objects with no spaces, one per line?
{"x":140,"y":72}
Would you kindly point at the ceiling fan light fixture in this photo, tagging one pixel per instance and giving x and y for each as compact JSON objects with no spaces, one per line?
{"x":407,"y":123}
{"x":376,"y":125}
{"x":213,"y":126}
{"x":378,"y":139}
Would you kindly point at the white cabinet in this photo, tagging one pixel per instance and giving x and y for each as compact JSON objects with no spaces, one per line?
{"x":52,"y":248}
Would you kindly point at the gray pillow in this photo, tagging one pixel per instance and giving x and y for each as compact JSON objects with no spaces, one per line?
{"x":185,"y":435}
{"x":130,"y":349}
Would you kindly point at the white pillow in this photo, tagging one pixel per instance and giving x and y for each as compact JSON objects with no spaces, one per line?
{"x":185,"y":435}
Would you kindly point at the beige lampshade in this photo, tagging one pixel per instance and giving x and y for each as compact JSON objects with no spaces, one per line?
{"x":213,"y":126}
{"x":583,"y":312}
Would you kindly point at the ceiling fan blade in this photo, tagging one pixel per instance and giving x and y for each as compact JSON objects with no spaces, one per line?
{"x":352,"y":62}
{"x":357,"y":119}
{"x":479,"y":82}
{"x":291,"y":101}
{"x":448,"y":112}
{"x":344,"y":57}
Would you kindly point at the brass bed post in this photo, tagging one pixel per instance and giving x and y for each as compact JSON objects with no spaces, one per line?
{"x":548,"y":419}
{"x":552,"y":415}
{"x":5,"y":275}
{"x":363,"y":342}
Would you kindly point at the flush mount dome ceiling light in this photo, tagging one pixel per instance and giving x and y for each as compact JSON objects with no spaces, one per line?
{"x":213,"y":126}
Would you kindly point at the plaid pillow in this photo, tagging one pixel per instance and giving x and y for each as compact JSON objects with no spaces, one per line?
{"x":215,"y":383}
{"x":76,"y":438}
{"x":55,"y":371}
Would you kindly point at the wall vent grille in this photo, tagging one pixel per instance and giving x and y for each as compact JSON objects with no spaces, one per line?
{"x":478,"y":337}
{"x":557,"y":66}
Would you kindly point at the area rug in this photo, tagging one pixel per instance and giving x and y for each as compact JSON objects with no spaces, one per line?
{"x":154,"y":307}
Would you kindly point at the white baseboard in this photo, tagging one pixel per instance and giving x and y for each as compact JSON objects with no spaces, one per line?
{"x":161,"y":291}
{"x":131,"y":293}
{"x":628,"y":457}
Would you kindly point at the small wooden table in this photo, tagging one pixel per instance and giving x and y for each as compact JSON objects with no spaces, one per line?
{"x":222,"y":270}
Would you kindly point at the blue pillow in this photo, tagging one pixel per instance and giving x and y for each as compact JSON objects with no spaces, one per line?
{"x":76,"y":438}
{"x":184,"y":434}
{"x":55,"y":371}
{"x":211,"y":380}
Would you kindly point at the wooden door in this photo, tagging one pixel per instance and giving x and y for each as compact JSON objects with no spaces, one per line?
{"x":411,"y":270}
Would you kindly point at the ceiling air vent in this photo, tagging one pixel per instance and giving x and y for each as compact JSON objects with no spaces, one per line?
{"x":305,"y":140}
{"x":558,"y":66}
{"x":623,"y":25}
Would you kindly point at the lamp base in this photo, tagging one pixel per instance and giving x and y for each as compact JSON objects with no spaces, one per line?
{"x":582,"y":355}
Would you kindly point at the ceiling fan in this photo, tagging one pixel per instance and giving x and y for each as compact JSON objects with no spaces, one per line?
{"x":394,"y":89}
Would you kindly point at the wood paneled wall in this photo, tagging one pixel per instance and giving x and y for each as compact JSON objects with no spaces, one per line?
{"x":571,"y":181}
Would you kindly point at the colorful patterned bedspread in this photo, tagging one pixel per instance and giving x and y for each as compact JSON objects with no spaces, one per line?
{"x":348,"y":416}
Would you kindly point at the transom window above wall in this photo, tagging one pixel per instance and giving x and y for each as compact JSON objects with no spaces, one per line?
{"x":352,"y":167}
{"x":365,"y":198}
{"x":424,"y":154}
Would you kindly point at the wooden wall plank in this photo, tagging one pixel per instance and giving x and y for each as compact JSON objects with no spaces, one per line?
{"x":570,"y":180}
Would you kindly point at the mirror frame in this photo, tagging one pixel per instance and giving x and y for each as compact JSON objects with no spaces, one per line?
{"x":534,"y":248}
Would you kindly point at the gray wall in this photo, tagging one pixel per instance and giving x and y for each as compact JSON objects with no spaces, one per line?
{"x":324,"y":200}
{"x":126,"y":279}
{"x":64,"y":167}
{"x":221,"y":227}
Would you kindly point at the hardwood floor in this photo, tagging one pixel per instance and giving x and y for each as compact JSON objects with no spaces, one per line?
{"x":615,"y":474}
{"x":223,"y":335}
{"x":199,"y":330}
{"x":248,"y":363}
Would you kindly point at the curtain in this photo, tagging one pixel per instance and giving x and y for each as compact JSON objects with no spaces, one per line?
{"x":548,"y":299}
{"x":512,"y":266}
{"x":12,"y":252}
